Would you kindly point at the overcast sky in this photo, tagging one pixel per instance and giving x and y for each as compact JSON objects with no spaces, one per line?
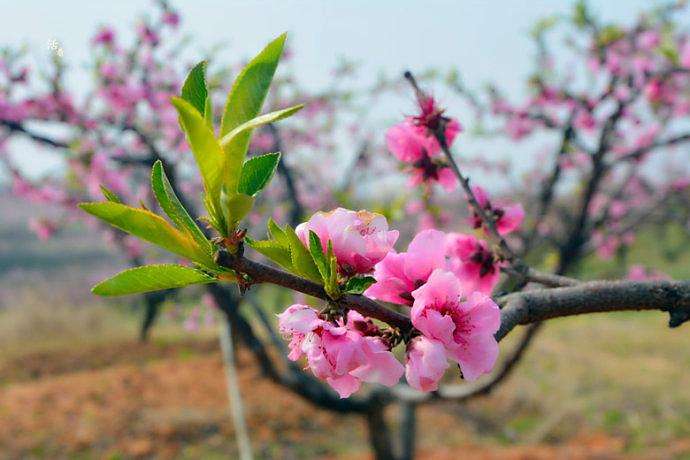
{"x":486,"y":39}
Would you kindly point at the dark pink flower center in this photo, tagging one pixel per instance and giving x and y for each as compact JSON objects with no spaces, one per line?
{"x":430,"y":116}
{"x":485,"y":259}
{"x":428,"y":167}
{"x":496,"y":213}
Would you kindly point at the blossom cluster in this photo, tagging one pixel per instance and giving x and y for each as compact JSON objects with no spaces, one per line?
{"x":414,"y":142}
{"x":445,"y":279}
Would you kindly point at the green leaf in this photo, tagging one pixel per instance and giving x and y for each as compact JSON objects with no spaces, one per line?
{"x":208,"y":112}
{"x":251,"y":86}
{"x":273,"y":251}
{"x":235,"y":207}
{"x":261,"y":120}
{"x":235,"y":147}
{"x":149,"y":227}
{"x":110,"y":195}
{"x":207,"y":152}
{"x":194,"y":89}
{"x":151,"y":278}
{"x":174,"y":209}
{"x":277,"y":233}
{"x":302,"y":262}
{"x":317,"y":254}
{"x":358,"y":285}
{"x":332,"y":288}
{"x":244,"y":103}
{"x":257,"y":173}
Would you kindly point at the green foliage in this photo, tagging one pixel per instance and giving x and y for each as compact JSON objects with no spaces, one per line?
{"x":669,"y":49}
{"x":257,"y":122}
{"x":149,"y":227}
{"x":194,"y":89}
{"x":609,"y":34}
{"x":229,"y":181}
{"x":273,"y":250}
{"x":277,"y":233}
{"x":172,"y":206}
{"x":235,"y":206}
{"x":326,"y":264}
{"x":302,"y":262}
{"x":257,"y":172}
{"x":230,"y":185}
{"x":285,"y":248}
{"x":110,"y":195}
{"x":316,"y":251}
{"x":580,"y":14}
{"x":543,"y":25}
{"x":208,"y":155}
{"x":358,"y":285}
{"x":244,"y":103}
{"x":151,"y":278}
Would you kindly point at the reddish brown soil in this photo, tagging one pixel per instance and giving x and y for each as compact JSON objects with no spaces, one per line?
{"x":164,"y":401}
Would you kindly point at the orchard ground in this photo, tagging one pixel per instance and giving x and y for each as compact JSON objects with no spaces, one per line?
{"x":75,"y":383}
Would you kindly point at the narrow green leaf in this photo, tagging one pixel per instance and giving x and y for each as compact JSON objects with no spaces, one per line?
{"x":174,"y":209}
{"x":277,"y":233}
{"x":194,"y":88}
{"x":332,"y":288}
{"x":208,"y":112}
{"x":244,"y":103}
{"x":150,"y":278}
{"x":257,"y":173}
{"x":149,"y":227}
{"x":261,"y":120}
{"x":302,"y":262}
{"x":358,"y":285}
{"x":207,"y":152}
{"x":317,"y":254}
{"x":236,"y":142}
{"x":251,"y":86}
{"x":273,"y":251}
{"x":110,"y":195}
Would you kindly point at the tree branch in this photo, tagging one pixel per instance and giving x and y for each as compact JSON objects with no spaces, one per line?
{"x":595,"y":297}
{"x":637,"y":153}
{"x":260,"y":273}
{"x":19,"y":128}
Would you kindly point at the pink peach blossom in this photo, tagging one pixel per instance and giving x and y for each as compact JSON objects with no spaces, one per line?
{"x":408,"y":143}
{"x":344,"y":354}
{"x":360,"y":239}
{"x":297,"y":321}
{"x":425,"y":364}
{"x":473,"y":263}
{"x":397,"y":275}
{"x":648,"y":40}
{"x":508,"y":218}
{"x":105,"y":36}
{"x":464,"y":325}
{"x":431,"y":119}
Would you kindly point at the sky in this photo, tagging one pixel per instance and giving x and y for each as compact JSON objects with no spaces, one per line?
{"x":487,"y":40}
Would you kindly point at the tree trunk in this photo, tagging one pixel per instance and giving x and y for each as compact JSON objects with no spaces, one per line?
{"x":152,"y":305}
{"x":408,"y":430}
{"x":379,"y":434}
